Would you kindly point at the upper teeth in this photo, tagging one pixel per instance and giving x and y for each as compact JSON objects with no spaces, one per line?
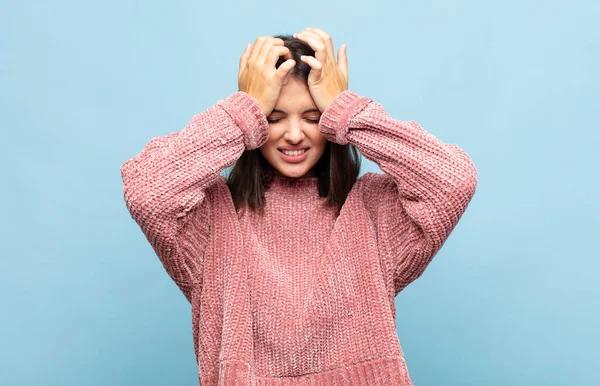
{"x":293,"y":152}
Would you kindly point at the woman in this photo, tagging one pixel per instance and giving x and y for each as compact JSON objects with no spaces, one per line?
{"x":291,"y":265}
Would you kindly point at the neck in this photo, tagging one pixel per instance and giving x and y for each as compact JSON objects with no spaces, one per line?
{"x":294,"y":185}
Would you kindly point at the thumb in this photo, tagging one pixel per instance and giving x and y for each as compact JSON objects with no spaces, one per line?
{"x":284,"y":68}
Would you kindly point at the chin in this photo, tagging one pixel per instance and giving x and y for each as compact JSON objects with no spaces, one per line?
{"x":292,"y":175}
{"x":293,"y":171}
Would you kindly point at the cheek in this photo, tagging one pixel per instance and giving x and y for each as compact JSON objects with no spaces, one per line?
{"x":269,"y":148}
{"x":275,"y":134}
{"x":320,"y":142}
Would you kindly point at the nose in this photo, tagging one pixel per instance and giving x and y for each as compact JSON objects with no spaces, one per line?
{"x":294,"y":132}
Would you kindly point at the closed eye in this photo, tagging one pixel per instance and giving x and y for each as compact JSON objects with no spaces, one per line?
{"x":313,"y":121}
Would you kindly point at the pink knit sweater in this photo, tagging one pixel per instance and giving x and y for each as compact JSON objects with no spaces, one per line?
{"x":297,"y":296}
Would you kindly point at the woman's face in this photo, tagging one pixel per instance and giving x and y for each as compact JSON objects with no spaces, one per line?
{"x":293,"y":123}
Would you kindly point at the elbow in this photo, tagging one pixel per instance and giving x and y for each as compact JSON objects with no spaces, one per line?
{"x":470,"y":179}
{"x":466,"y":177}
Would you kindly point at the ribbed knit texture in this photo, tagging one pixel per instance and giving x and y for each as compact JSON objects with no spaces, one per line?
{"x":297,"y":296}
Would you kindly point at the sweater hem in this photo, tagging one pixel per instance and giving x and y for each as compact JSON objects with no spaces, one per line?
{"x":376,"y":372}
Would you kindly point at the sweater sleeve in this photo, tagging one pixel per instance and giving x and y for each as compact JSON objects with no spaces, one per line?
{"x":426,"y":186}
{"x":165,"y":185}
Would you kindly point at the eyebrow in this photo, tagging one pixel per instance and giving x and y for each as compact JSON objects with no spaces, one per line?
{"x":304,"y":112}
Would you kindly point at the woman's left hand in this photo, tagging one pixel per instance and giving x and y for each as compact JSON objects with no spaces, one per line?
{"x":327,"y":78}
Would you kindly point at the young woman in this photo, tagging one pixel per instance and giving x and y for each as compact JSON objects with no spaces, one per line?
{"x":292,"y":263}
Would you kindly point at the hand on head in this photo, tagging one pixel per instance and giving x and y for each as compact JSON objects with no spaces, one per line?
{"x":258,"y":76}
{"x":327,"y":77}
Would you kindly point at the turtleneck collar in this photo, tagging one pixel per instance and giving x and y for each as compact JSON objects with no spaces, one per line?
{"x":295,"y":186}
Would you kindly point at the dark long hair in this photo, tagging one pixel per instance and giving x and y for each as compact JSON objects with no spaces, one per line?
{"x":337,"y":169}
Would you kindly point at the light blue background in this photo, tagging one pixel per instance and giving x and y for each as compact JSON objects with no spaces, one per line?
{"x":511,"y":299}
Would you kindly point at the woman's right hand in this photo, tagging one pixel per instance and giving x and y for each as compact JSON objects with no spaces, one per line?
{"x":258,"y":75}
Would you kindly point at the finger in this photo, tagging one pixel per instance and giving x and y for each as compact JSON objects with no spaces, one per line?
{"x":314,"y":64}
{"x":264,"y":50}
{"x":316,"y":43}
{"x":244,"y":57}
{"x":278,"y":42}
{"x":304,"y":35}
{"x":326,"y":38}
{"x":275,"y":53}
{"x":256,"y":49}
{"x":285,"y":67}
{"x":288,"y":55}
{"x":304,"y":30}
{"x":342,"y":59}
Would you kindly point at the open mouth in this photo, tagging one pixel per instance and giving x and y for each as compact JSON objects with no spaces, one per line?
{"x":296,"y":152}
